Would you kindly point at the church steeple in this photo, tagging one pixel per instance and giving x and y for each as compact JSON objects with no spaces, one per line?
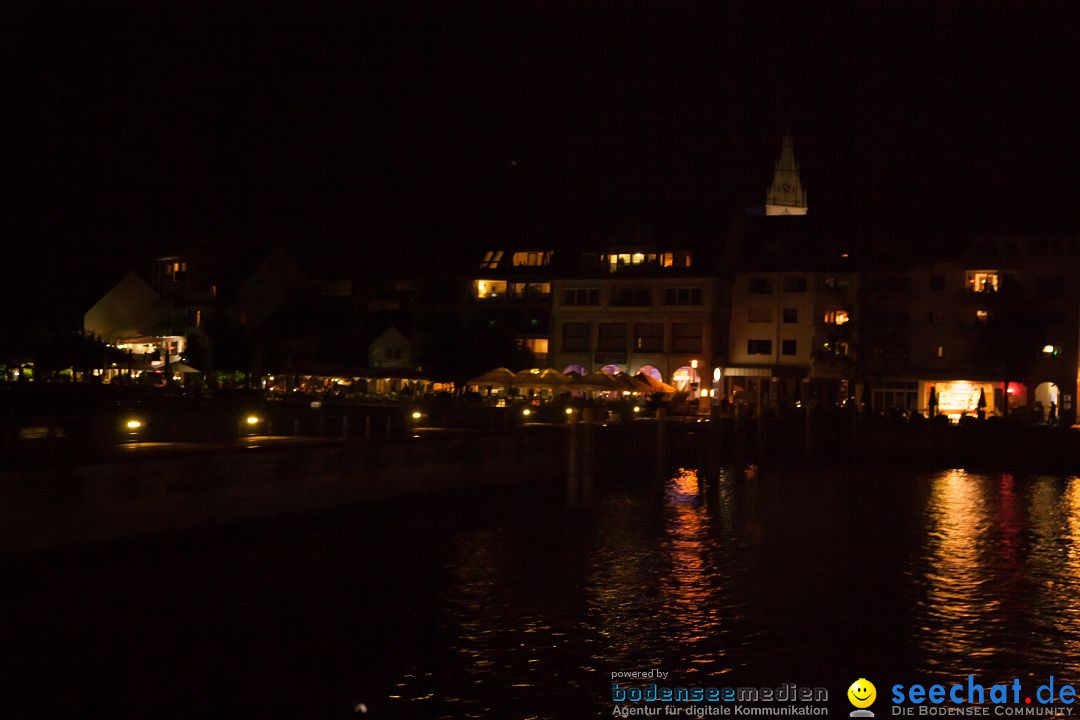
{"x":786,"y":195}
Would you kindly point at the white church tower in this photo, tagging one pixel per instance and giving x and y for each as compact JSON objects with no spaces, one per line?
{"x":786,"y":195}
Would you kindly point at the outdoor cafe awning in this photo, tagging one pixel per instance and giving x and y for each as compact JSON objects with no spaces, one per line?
{"x":499,"y":377}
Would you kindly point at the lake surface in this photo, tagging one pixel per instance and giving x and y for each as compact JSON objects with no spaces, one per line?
{"x":521,"y":603}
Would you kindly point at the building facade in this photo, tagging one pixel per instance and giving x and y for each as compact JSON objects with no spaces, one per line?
{"x":667,"y":327}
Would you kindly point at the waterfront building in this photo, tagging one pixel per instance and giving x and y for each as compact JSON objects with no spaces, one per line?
{"x":791,"y":336}
{"x":661,"y":319}
{"x":998,"y":321}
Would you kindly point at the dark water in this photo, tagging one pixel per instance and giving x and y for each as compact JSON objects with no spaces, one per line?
{"x":521,"y":604}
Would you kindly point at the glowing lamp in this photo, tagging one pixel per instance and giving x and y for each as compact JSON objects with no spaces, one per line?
{"x":526,"y":412}
{"x":417,"y":415}
{"x":693,"y":364}
{"x":637,"y":409}
{"x":252,"y":420}
{"x":716,"y":374}
{"x":134,"y":424}
{"x":569,"y":411}
{"x":1048,"y":349}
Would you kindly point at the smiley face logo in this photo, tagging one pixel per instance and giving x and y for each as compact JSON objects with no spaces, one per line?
{"x":862,"y":693}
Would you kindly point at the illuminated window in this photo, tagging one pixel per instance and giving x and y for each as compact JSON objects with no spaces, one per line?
{"x":198,"y":318}
{"x":981,"y":316}
{"x":531,"y":258}
{"x":982,"y":280}
{"x":834,"y":282}
{"x":581,"y":296}
{"x":491,"y":260}
{"x":617,"y":261}
{"x":941,"y":351}
{"x":538,"y":346}
{"x":486,"y":289}
{"x":684,"y":378}
{"x":837,"y":317}
{"x":529,"y":290}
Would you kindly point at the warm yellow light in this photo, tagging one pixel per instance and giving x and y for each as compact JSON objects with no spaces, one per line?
{"x":417,"y":415}
{"x":569,"y":411}
{"x":252,"y":419}
{"x":637,"y":409}
{"x":1048,"y":349}
{"x":134,"y":424}
{"x":693,"y":364}
{"x":526,"y":412}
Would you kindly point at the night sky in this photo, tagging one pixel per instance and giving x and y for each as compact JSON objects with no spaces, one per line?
{"x":351,"y":128}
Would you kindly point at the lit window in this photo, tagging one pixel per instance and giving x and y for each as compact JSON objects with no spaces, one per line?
{"x":837,"y":317}
{"x":486,"y":289}
{"x":491,"y":259}
{"x":941,"y":351}
{"x":538,"y":346}
{"x":198,"y":318}
{"x":982,"y":280}
{"x":617,"y":261}
{"x":530,"y":290}
{"x":981,"y":316}
{"x":531,"y":258}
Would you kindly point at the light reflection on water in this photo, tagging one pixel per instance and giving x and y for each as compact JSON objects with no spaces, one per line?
{"x":520,"y":604}
{"x":756,"y":576}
